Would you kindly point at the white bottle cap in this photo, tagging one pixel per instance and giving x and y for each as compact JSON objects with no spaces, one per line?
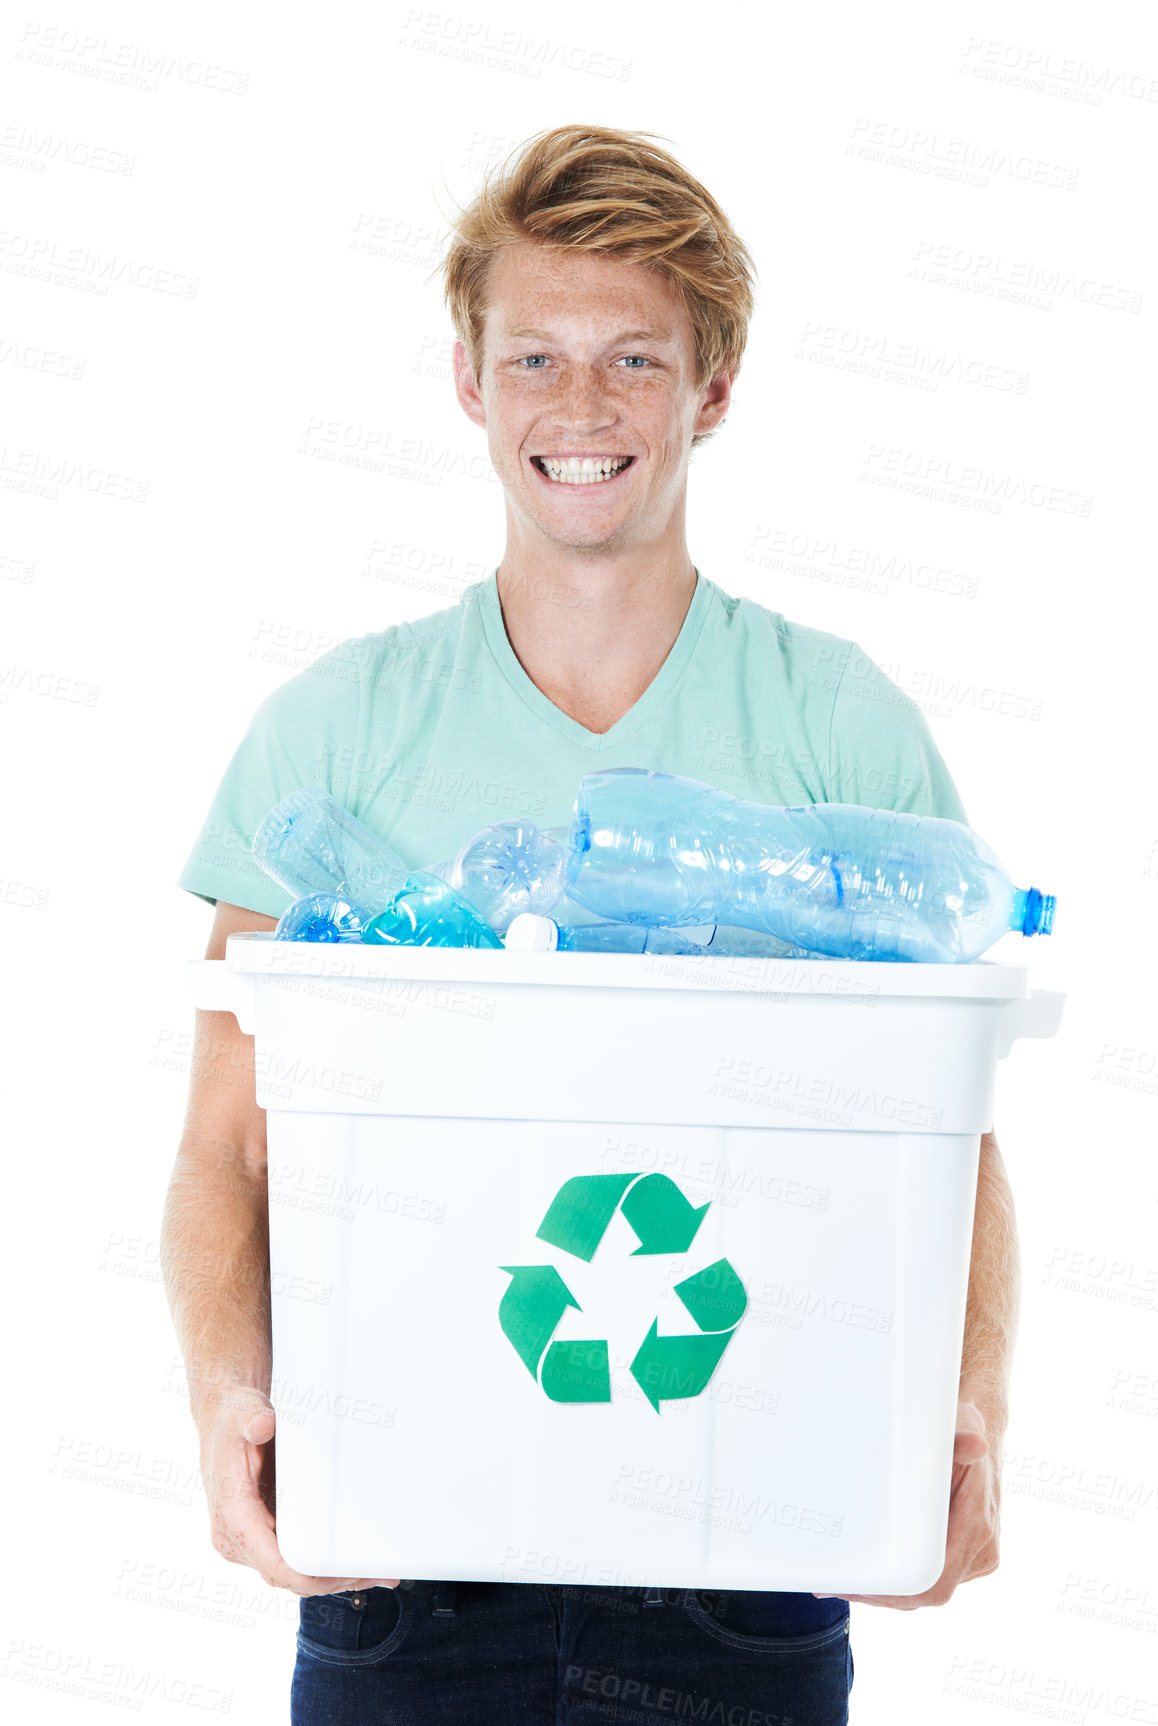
{"x":531,"y":934}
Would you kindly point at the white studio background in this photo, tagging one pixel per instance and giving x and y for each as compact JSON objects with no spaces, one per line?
{"x":230,"y":440}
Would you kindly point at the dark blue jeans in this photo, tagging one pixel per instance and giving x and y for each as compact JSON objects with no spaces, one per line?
{"x":504,"y":1653}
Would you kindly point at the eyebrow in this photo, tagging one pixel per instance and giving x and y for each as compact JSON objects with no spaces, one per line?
{"x":663,"y":336}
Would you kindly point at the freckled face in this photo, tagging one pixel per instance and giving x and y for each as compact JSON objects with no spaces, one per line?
{"x":586,"y":359}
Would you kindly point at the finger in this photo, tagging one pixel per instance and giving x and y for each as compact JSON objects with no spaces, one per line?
{"x":259,"y":1543}
{"x":249,"y":1521}
{"x":339,"y":1584}
{"x":967,"y":1531}
{"x":900,"y":1602}
{"x":249,"y":1525}
{"x":961,"y":1542}
{"x":252,"y":1529}
{"x":969,"y":1486}
{"x":969,"y":1525}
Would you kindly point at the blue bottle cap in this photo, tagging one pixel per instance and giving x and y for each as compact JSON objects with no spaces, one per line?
{"x":1037,"y":918}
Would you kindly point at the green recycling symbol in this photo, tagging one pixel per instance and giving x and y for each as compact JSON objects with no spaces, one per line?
{"x":665,"y":1367}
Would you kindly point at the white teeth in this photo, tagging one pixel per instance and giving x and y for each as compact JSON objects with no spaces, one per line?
{"x":585,"y":470}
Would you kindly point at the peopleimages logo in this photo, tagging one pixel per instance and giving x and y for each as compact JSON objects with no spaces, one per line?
{"x":666,"y":1368}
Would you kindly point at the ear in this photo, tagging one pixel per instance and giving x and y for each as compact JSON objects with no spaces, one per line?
{"x":466,"y":388}
{"x":716,"y":400}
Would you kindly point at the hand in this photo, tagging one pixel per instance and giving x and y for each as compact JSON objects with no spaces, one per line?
{"x":974,"y":1508}
{"x":237,"y":1466}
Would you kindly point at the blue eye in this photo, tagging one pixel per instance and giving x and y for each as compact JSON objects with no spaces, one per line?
{"x":526,"y":358}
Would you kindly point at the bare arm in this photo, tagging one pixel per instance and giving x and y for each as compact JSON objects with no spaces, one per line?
{"x":215,"y":1241}
{"x":991,"y":1309}
{"x":215,"y":1262}
{"x":994,"y":1299}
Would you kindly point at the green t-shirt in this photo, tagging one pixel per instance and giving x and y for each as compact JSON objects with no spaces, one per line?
{"x":429,"y":730}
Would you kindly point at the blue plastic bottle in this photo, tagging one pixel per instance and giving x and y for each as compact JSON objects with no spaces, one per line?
{"x":321,"y":917}
{"x":310,"y":844}
{"x":835,"y":878}
{"x":425,"y":912}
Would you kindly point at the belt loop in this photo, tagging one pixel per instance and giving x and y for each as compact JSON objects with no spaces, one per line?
{"x":445,"y":1599}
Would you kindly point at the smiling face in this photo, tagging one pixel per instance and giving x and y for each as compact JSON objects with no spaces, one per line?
{"x":588,"y":402}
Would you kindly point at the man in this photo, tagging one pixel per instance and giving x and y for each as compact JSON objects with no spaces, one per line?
{"x":602,"y":301}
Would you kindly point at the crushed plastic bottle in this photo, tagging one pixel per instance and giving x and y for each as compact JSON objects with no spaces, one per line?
{"x":425,"y":912}
{"x":310,"y":844}
{"x":659,"y":851}
{"x":835,"y":878}
{"x":321,"y":917}
{"x":509,"y":868}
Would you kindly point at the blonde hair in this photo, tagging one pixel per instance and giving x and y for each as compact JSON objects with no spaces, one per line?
{"x":597,"y":189}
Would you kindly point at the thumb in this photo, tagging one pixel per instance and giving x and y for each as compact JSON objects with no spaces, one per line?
{"x":258,"y":1427}
{"x":970,"y":1443}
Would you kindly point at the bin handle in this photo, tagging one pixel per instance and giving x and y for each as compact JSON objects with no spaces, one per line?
{"x":219,"y":988}
{"x":1038,"y":1015}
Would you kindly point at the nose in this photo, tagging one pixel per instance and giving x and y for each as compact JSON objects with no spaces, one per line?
{"x":584,"y":401}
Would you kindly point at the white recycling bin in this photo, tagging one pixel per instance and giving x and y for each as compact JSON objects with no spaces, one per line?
{"x":618,"y":1269}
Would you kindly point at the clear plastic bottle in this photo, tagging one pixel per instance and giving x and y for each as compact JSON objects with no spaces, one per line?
{"x":509,"y":868}
{"x":834,"y":878}
{"x":730,"y":943}
{"x":310,"y":844}
{"x":531,"y":934}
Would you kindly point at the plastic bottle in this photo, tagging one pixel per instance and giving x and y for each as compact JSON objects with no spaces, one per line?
{"x":321,"y":917}
{"x":529,"y":933}
{"x":730,"y":943}
{"x":309,"y":843}
{"x":425,"y":912}
{"x":509,"y":868}
{"x":835,"y":878}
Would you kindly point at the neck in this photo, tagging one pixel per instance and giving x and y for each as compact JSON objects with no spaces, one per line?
{"x":593,"y":638}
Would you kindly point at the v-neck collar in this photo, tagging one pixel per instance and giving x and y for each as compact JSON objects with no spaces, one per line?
{"x":657,"y":690}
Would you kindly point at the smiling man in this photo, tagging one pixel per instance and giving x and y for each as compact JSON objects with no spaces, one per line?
{"x":590,"y":424}
{"x":602,"y":301}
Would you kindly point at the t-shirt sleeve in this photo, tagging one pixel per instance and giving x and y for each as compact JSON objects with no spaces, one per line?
{"x":881,"y":751}
{"x":294,"y":738}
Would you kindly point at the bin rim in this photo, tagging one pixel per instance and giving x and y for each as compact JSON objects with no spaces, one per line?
{"x":259,"y":951}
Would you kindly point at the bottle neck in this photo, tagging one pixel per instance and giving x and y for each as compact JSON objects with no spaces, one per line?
{"x":1032,"y":912}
